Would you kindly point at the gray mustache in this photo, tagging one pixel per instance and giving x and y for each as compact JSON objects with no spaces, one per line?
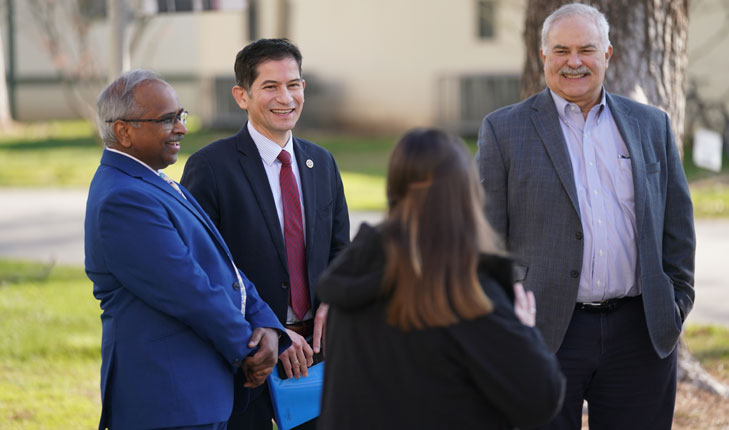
{"x":566,"y":70}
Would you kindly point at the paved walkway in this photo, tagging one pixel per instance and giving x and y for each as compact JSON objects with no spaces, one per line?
{"x":47,"y":225}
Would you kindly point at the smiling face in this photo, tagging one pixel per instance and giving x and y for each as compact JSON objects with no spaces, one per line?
{"x":154,"y":143}
{"x":275,"y":99}
{"x":575,"y":61}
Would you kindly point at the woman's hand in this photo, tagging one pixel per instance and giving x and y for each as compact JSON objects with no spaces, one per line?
{"x":525,"y":306}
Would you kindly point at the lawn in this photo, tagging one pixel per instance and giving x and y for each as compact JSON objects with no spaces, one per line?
{"x":66,"y":154}
{"x":50,"y":348}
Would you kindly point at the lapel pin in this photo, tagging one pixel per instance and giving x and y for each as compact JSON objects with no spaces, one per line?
{"x":309,"y":163}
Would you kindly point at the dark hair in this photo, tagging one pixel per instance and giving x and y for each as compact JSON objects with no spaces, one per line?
{"x":248,"y":58}
{"x":434,"y":232}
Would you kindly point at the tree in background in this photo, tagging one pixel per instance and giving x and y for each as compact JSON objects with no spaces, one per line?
{"x":64,"y":31}
{"x":649,"y":39}
{"x":5,"y":118}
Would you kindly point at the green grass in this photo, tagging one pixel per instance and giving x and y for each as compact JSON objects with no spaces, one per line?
{"x":710,"y":200}
{"x":50,"y":348}
{"x":710,"y":345}
{"x":66,"y":154}
{"x":709,"y":191}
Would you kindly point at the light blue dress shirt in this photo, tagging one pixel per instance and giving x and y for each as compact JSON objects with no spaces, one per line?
{"x":601,"y":165}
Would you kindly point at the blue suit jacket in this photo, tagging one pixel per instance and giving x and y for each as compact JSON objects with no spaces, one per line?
{"x":228,"y":179}
{"x":532,"y":201}
{"x":173,"y":332}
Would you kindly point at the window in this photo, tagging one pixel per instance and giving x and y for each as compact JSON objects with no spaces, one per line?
{"x":92,"y":9}
{"x":486,"y":16}
{"x":167,"y":6}
{"x":463,"y":100}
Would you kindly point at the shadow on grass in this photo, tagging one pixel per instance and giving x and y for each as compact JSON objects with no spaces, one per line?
{"x":191,"y":143}
{"x":54,"y":143}
{"x":716,"y":353}
{"x":20,"y":272}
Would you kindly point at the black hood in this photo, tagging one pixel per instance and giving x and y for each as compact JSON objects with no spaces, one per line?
{"x":353,"y":279}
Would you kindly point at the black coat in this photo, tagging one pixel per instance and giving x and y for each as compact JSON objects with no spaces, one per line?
{"x":489,"y":373}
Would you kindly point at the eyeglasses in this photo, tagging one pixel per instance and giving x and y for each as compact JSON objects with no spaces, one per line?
{"x":167,"y":121}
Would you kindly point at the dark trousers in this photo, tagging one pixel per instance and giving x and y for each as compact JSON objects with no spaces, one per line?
{"x":259,"y":413}
{"x":609,"y":361}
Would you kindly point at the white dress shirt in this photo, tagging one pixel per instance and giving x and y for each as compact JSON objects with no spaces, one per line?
{"x":269,"y":151}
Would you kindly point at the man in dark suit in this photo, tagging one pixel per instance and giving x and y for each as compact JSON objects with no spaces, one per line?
{"x":278,"y":200}
{"x":588,"y":191}
{"x":179,"y":319}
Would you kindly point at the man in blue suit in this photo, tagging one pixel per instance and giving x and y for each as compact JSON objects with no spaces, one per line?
{"x":250,"y":182}
{"x":179,"y":319}
{"x":588,"y":191}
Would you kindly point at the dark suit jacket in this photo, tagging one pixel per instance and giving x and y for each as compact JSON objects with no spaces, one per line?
{"x":228,"y":179}
{"x":491,"y":372}
{"x":173,"y":331}
{"x":532,"y":201}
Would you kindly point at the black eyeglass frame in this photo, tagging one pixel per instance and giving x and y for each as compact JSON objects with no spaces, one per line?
{"x":179,"y":116}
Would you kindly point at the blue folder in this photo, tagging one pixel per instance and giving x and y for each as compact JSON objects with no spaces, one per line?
{"x":296,"y":401}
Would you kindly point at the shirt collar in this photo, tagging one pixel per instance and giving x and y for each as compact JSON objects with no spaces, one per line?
{"x":156,"y":172}
{"x":563,"y":105}
{"x":267,"y":148}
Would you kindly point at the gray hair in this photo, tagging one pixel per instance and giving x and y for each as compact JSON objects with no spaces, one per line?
{"x":577,"y":9}
{"x":117,"y":101}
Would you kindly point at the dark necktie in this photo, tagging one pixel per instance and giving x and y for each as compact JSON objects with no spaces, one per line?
{"x":294,"y":237}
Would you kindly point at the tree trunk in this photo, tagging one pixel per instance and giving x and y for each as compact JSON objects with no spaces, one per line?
{"x":5,"y":118}
{"x":649,"y":39}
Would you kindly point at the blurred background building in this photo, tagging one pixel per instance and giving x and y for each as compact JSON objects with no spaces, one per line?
{"x":375,"y":66}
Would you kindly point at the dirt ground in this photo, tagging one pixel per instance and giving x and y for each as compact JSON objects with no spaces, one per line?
{"x":695,"y":410}
{"x":698,"y":410}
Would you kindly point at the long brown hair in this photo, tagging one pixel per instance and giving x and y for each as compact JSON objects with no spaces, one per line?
{"x":434,"y":233}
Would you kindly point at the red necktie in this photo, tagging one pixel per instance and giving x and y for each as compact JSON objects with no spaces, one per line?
{"x":294,"y":237}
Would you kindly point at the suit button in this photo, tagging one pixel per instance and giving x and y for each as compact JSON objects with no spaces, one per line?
{"x":284,"y":285}
{"x":237,"y":362}
{"x":236,"y":286}
{"x":574,"y":273}
{"x":578,"y":235}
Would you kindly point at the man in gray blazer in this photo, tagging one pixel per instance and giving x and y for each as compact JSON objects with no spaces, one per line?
{"x":588,"y":191}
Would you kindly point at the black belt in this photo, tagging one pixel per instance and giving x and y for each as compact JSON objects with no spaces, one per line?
{"x":604,"y":307}
{"x":302,"y":328}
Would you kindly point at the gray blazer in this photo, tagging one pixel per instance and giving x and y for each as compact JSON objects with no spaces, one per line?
{"x":532,"y":202}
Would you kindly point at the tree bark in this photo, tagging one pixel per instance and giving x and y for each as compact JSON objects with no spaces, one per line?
{"x":649,"y":39}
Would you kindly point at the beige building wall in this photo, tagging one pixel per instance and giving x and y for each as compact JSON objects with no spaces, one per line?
{"x":708,"y":45}
{"x":385,"y":58}
{"x":189,"y":49}
{"x":377,"y":66}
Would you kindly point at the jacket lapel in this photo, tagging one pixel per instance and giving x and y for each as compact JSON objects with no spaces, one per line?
{"x":254,"y":172}
{"x":546,"y":122}
{"x":629,"y":128}
{"x":134,"y":169}
{"x":308,"y":188}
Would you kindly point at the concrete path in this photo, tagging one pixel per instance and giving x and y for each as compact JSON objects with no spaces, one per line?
{"x":47,"y":225}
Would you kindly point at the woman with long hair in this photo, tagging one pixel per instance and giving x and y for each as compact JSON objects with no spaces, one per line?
{"x":424,"y":329}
